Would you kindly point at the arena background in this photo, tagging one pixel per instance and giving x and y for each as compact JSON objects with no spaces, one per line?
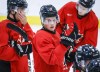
{"x":33,"y":12}
{"x":34,"y":7}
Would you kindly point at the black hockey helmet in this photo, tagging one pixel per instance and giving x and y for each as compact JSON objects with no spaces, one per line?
{"x":94,"y":65}
{"x":48,"y":11}
{"x":12,"y":4}
{"x":87,"y":3}
{"x":84,"y":54}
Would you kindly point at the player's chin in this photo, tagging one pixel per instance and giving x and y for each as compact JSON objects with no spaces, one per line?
{"x":81,"y":14}
{"x":52,"y":29}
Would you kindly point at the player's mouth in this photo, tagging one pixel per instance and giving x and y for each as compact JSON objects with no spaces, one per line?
{"x":52,"y":27}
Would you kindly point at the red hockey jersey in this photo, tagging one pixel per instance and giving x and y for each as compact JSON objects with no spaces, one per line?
{"x":7,"y":53}
{"x":88,"y":25}
{"x":48,"y":52}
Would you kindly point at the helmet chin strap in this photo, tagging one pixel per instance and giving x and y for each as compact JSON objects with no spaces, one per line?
{"x":14,"y":15}
{"x":12,"y":19}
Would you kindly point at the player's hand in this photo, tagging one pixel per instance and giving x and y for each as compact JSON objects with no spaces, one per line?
{"x":71,"y":57}
{"x":22,"y":49}
{"x":22,"y":17}
{"x":69,"y":34}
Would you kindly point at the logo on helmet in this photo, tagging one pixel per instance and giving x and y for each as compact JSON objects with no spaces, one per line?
{"x":50,"y":9}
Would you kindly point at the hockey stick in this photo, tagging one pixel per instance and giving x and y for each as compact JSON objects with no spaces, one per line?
{"x":24,"y":35}
{"x":70,"y":48}
{"x":69,"y":52}
{"x":76,"y":35}
{"x":19,"y":30}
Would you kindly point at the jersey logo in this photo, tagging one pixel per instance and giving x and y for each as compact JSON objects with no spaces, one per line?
{"x":50,"y":9}
{"x":78,"y":37}
{"x":69,"y":14}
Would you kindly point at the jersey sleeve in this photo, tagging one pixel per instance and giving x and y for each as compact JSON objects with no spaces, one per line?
{"x":7,"y":53}
{"x":61,"y":14}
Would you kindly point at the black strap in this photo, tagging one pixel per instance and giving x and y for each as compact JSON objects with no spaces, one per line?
{"x":5,"y":66}
{"x":14,"y":20}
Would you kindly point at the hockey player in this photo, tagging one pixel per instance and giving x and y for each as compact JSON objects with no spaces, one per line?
{"x":87,"y":59}
{"x":94,"y":65}
{"x":49,"y":50}
{"x":13,"y":56}
{"x":82,"y":14}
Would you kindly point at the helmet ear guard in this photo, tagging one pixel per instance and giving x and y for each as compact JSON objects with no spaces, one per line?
{"x":41,"y":18}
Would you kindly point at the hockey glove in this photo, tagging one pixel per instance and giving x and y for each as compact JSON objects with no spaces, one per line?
{"x":22,"y":49}
{"x":70,"y":58}
{"x":69,"y":34}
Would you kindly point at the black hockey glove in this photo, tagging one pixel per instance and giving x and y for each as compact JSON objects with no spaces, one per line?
{"x":69,"y":34}
{"x":70,"y":58}
{"x":22,"y":49}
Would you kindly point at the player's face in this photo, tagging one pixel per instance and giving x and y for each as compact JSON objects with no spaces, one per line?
{"x":82,"y":10}
{"x":20,"y":11}
{"x":50,"y":23}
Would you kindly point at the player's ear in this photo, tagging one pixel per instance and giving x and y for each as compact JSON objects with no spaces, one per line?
{"x":12,"y":12}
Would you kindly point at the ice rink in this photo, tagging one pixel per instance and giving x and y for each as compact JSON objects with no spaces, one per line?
{"x":35,"y":28}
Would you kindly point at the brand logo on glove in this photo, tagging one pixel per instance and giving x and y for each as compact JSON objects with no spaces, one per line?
{"x":72,"y":31}
{"x":67,"y":38}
